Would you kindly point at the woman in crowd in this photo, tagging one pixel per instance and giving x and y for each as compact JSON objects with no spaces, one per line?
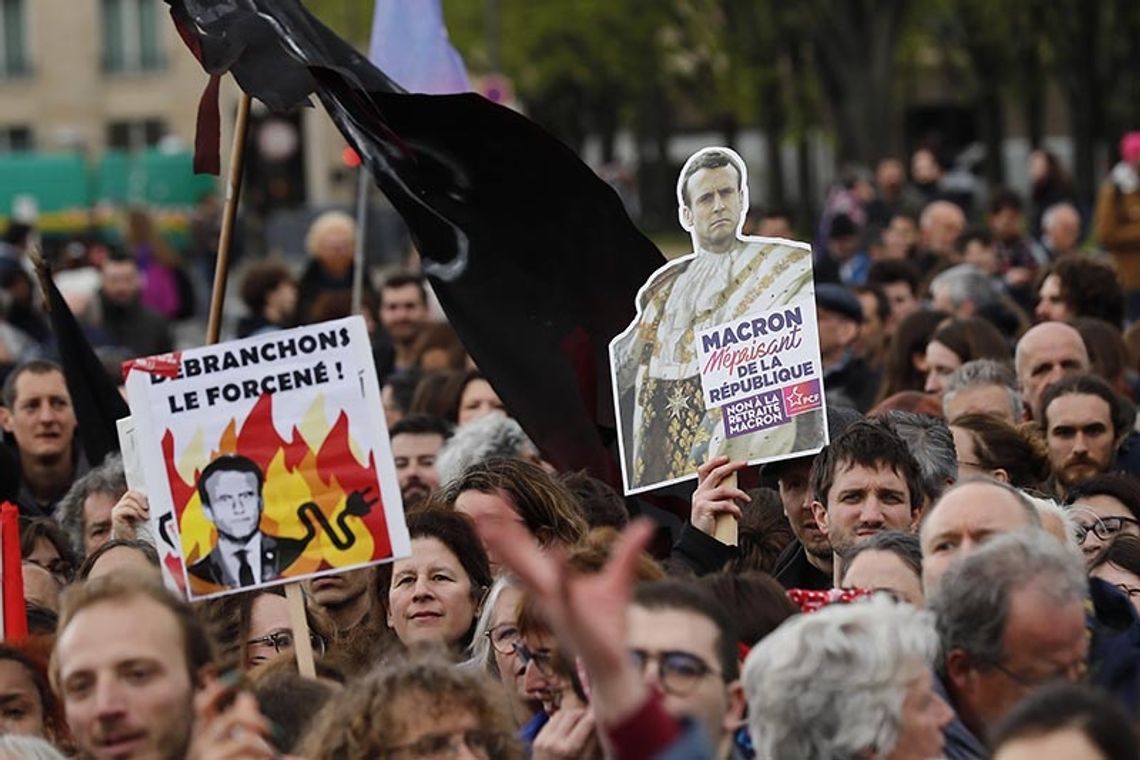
{"x":252,"y":628}
{"x":989,"y":446}
{"x":957,"y":342}
{"x":434,"y":596}
{"x":1103,"y":507}
{"x":468,"y":396}
{"x":889,"y":562}
{"x":1119,"y":564}
{"x":905,"y":365}
{"x":414,"y":709}
{"x":493,"y":647}
{"x":1066,"y":721}
{"x":30,"y":706}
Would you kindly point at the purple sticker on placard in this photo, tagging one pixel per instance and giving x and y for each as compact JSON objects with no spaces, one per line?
{"x":802,"y":397}
{"x":753,"y":413}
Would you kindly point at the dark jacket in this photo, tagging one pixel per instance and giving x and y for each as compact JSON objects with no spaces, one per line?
{"x":793,"y":570}
{"x":139,"y":330}
{"x":700,"y":551}
{"x":277,"y":554}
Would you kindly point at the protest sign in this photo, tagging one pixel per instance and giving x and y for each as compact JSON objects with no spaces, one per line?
{"x":272,"y":455}
{"x":723,"y":355}
{"x":159,"y":529}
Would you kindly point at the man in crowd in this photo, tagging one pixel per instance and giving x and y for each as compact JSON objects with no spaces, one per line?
{"x":403,"y":313}
{"x":983,"y":386}
{"x":1006,"y":221}
{"x":899,"y":281}
{"x":939,"y":226}
{"x":85,"y":511}
{"x":900,"y":238}
{"x":1076,"y":286}
{"x":806,"y":562}
{"x":129,"y":662}
{"x":136,"y":328}
{"x":1045,"y":354}
{"x":968,"y":515}
{"x":1084,"y":422}
{"x":1030,"y":593}
{"x":1060,"y":231}
{"x":847,"y":380}
{"x":37,"y":413}
{"x":864,"y":483}
{"x":963,"y":291}
{"x":416,"y":442}
{"x":346,"y":597}
{"x":685,"y":643}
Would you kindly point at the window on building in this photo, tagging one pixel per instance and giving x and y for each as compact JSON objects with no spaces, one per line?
{"x":13,"y":139}
{"x":13,"y":48}
{"x":135,"y":135}
{"x":131,"y":40}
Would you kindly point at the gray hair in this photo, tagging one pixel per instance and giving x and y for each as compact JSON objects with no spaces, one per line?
{"x":932,"y":444}
{"x":971,"y":602}
{"x":108,"y":478}
{"x":966,"y":282}
{"x":13,"y":747}
{"x":982,"y":372}
{"x":1051,"y":212}
{"x":492,"y":435}
{"x":831,"y":684}
{"x":1046,"y":506}
{"x":480,"y":656}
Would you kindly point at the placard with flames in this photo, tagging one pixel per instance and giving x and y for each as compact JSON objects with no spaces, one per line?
{"x":267,"y":459}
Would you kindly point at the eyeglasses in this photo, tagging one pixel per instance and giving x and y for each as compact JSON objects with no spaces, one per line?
{"x":1103,"y":527}
{"x":544,"y":661}
{"x":678,"y":672}
{"x":282,"y":641}
{"x":446,"y":746}
{"x":1075,"y":672}
{"x":503,"y":637}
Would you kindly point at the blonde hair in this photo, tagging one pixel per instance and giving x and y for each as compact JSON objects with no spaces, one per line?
{"x":324,"y":224}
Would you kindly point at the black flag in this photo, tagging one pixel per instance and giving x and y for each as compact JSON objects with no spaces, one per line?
{"x":96,"y":399}
{"x":530,"y":253}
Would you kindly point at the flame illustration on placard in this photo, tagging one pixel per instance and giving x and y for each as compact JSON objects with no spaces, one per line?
{"x":316,"y":485}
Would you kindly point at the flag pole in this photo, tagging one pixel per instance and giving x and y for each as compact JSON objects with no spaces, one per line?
{"x":229,"y":214}
{"x":361,"y":232}
{"x":293,"y":593}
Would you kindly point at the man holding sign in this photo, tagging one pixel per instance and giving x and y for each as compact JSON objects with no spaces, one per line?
{"x":230,"y":488}
{"x":732,"y":322}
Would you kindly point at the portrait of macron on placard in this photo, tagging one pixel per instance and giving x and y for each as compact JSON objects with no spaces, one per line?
{"x":271,"y":455}
{"x":723,"y":355}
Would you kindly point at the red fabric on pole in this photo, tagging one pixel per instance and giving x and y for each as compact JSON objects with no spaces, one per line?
{"x":15,"y":614}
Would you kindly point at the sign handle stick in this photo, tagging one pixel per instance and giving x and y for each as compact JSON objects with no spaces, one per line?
{"x":302,"y":645}
{"x":229,"y":213}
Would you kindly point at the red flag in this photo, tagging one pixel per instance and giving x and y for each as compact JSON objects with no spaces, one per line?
{"x":12,"y":574}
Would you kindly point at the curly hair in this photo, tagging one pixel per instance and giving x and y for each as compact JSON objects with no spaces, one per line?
{"x":376,"y":713}
{"x":1089,"y":288}
{"x":550,"y":512}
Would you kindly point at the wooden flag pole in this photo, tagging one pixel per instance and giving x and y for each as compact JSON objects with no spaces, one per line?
{"x":302,"y":646}
{"x":363,"y":181}
{"x":299,"y":622}
{"x":229,"y":214}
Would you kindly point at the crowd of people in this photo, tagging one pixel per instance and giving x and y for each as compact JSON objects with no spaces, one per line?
{"x":957,"y":574}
